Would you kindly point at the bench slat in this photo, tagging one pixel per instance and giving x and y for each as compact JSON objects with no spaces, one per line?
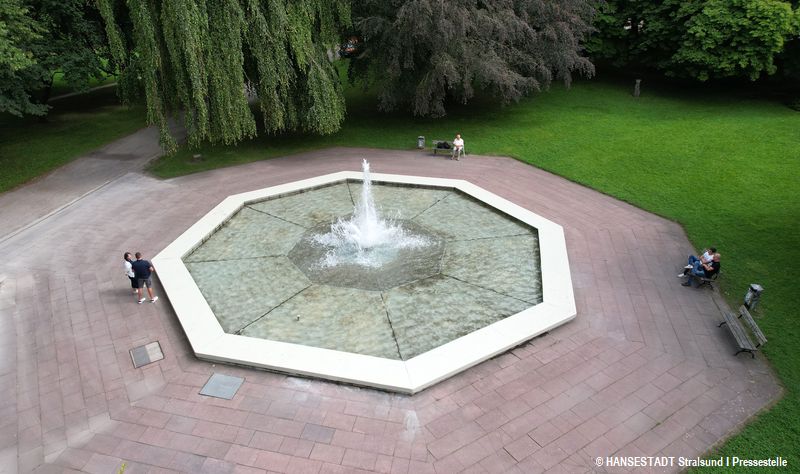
{"x":702,"y":281}
{"x":748,"y":319}
{"x":738,"y":332}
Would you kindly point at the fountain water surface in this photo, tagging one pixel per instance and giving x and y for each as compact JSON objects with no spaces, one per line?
{"x":309,"y":278}
{"x":365,"y":238}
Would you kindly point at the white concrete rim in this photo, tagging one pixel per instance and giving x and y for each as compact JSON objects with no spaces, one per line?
{"x":210,"y":342}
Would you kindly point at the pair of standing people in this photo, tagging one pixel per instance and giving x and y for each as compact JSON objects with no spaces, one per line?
{"x":140,"y":273}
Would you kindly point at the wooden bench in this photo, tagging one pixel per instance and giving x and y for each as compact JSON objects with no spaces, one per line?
{"x":703,"y":281}
{"x":740,"y":333}
{"x":442,"y":145}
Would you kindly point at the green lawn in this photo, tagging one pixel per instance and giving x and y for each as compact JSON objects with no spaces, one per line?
{"x":664,"y":152}
{"x":76,"y":125}
{"x":60,"y":87}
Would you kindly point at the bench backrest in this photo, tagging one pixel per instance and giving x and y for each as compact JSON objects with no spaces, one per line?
{"x":739,"y":332}
{"x":748,"y":319}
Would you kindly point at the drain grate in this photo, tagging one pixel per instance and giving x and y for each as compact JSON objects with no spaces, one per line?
{"x":222,"y":386}
{"x":146,"y":354}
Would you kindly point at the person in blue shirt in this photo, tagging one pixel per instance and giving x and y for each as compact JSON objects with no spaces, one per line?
{"x":143,"y":270}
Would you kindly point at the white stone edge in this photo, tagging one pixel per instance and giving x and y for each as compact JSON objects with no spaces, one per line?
{"x":210,"y":342}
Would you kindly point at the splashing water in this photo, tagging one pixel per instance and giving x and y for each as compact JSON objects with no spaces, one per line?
{"x":365,"y":239}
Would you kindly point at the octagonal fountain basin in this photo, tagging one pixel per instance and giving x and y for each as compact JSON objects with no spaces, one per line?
{"x":396,"y":282}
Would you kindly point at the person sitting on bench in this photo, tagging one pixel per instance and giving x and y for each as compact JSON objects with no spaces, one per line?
{"x":458,"y":147}
{"x":706,"y":257}
{"x":702,"y":270}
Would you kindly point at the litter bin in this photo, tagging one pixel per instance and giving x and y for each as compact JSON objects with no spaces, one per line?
{"x":753,"y":295}
{"x":420,"y":142}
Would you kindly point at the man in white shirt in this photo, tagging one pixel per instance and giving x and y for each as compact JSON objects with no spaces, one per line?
{"x":706,"y":259}
{"x":708,"y":255}
{"x":458,"y":147}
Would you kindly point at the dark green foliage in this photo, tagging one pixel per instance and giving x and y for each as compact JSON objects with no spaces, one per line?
{"x":18,"y":32}
{"x":789,"y":68}
{"x":148,"y":61}
{"x":224,"y":66}
{"x":200,"y":57}
{"x":41,"y":37}
{"x":422,"y":53}
{"x":735,"y":38}
{"x":699,"y":39}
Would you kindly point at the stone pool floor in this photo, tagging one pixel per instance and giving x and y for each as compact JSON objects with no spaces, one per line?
{"x":642,"y":370}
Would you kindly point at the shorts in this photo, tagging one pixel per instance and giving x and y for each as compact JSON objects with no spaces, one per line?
{"x":145,"y":282}
{"x":134,"y":282}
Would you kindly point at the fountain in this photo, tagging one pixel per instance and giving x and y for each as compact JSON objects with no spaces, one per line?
{"x":310,"y":278}
{"x":365,"y":239}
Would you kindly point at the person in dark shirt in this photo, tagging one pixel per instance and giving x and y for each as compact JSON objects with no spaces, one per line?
{"x":704,"y":270}
{"x":143,"y":270}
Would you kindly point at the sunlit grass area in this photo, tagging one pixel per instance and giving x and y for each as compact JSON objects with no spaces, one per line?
{"x":30,"y":147}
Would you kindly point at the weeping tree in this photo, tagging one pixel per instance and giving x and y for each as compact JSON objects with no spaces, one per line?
{"x":202,"y":57}
{"x":422,"y":53}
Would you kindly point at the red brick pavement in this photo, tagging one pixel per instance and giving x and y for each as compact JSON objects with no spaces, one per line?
{"x":642,"y":370}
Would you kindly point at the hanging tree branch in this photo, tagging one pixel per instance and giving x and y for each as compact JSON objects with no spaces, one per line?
{"x":195,"y":57}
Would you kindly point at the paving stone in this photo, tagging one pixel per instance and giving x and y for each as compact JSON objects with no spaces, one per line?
{"x":327,"y":453}
{"x":641,"y":350}
{"x":222,"y":386}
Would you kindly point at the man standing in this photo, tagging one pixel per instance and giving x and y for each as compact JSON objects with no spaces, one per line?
{"x":458,"y":147}
{"x":143,"y":270}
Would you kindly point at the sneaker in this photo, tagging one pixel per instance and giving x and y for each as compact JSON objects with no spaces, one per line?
{"x":681,"y":275}
{"x":141,"y":301}
{"x":688,"y":283}
{"x":688,"y":267}
{"x":155,"y":298}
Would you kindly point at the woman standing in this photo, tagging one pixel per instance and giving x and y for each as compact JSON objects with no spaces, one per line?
{"x":129,"y":272}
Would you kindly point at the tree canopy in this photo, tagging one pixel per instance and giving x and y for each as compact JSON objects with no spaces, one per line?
{"x":200,"y":57}
{"x":40,"y":38}
{"x":422,"y":53}
{"x":17,"y":32}
{"x":700,"y":39}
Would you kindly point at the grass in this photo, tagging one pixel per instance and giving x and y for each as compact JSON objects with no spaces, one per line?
{"x":726,"y":168}
{"x":61,"y":87}
{"x":76,"y":125}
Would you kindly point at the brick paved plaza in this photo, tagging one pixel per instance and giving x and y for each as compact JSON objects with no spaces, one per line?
{"x":642,"y":370}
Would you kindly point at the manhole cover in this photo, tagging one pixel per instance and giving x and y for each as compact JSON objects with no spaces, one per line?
{"x":146,"y":354}
{"x":222,"y":386}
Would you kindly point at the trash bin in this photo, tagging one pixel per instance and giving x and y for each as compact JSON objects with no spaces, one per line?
{"x":753,"y":295}
{"x":420,"y":142}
